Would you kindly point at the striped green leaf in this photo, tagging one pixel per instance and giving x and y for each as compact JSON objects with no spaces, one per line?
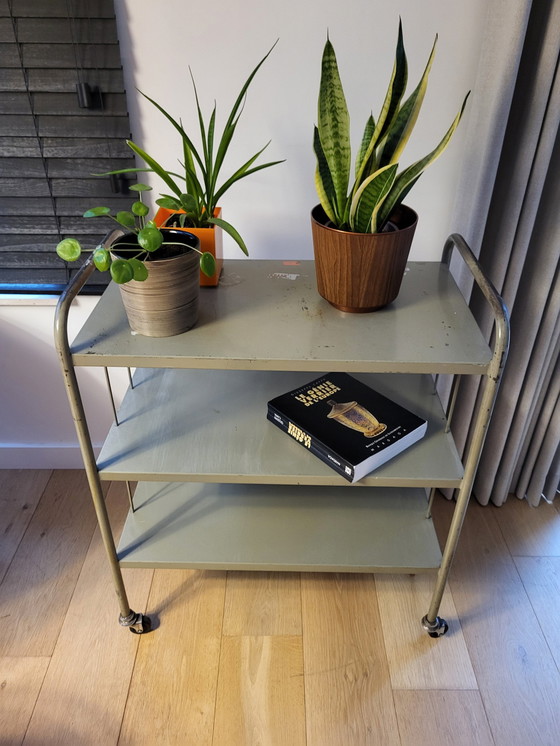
{"x":400,"y":130}
{"x":368,"y":199}
{"x":395,"y":91}
{"x":323,"y":180}
{"x":334,"y":127}
{"x":410,"y":175}
{"x":369,"y":129}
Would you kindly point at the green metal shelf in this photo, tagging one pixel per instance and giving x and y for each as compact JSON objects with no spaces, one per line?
{"x":277,"y":527}
{"x":193,"y":425}
{"x":267,"y":316}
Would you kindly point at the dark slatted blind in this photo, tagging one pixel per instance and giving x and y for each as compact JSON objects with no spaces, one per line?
{"x":50,"y":144}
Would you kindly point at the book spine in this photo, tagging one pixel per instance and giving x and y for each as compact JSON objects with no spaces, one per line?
{"x":304,"y":438}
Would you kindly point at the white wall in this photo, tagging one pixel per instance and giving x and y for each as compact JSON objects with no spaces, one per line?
{"x":36,"y":427}
{"x":222,"y":42}
{"x":222,"y":45}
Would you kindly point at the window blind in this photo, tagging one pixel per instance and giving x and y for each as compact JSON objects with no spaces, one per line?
{"x":63,"y":118}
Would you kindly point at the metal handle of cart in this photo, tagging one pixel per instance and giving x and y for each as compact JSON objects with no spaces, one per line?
{"x":136,"y":622}
{"x":432,"y":623}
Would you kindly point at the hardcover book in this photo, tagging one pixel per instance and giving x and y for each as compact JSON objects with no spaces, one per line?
{"x":346,"y":424}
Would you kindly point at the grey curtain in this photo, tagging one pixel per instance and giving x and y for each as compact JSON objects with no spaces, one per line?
{"x":509,"y":208}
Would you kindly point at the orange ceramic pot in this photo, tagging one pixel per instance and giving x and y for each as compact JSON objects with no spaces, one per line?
{"x":211,"y":240}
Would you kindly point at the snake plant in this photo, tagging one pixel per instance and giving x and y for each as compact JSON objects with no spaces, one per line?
{"x":378,"y":187}
{"x":196,"y":192}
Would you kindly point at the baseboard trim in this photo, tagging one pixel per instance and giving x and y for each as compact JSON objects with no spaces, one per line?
{"x":46,"y":456}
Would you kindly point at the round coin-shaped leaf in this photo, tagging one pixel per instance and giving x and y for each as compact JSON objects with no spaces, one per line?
{"x":101,"y":259}
{"x":150,"y":238}
{"x":95,"y":212}
{"x":140,"y":272}
{"x":125,"y":218}
{"x":121,"y":271}
{"x":69,"y":249}
{"x":140,"y":209}
{"x":208,"y":263}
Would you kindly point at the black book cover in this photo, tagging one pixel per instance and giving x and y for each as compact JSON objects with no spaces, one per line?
{"x":346,"y":424}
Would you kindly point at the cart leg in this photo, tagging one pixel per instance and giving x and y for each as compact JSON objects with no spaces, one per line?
{"x":432,"y":623}
{"x":137,"y":623}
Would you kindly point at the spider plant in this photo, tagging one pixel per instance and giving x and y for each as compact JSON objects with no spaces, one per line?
{"x":378,"y":186}
{"x":197,"y":191}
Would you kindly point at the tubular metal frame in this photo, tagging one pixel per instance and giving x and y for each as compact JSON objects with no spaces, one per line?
{"x":434,"y":625}
{"x":127,"y":618}
{"x":431,"y":622}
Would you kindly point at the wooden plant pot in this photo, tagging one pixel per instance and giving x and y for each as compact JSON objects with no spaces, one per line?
{"x":211,"y":240}
{"x":166,"y":303}
{"x":361,"y":272}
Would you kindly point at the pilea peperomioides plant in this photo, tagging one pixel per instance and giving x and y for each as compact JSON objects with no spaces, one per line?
{"x":378,"y":186}
{"x":148,"y":239}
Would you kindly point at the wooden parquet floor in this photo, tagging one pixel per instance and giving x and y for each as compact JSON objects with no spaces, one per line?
{"x":272,"y":659}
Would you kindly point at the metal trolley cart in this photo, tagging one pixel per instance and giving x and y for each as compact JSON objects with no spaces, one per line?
{"x":220,"y":487}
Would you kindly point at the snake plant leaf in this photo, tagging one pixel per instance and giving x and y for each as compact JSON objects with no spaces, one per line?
{"x":395,"y":90}
{"x":155,"y":166}
{"x":95,"y":212}
{"x":399,"y":133}
{"x":369,"y":197}
{"x":139,"y":270}
{"x":208,"y":263}
{"x":229,"y":229}
{"x":323,"y":180}
{"x":369,"y":129}
{"x":334,"y":126}
{"x":389,"y":110}
{"x":69,"y":249}
{"x":406,"y":180}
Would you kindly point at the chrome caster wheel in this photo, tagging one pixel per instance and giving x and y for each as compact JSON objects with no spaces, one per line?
{"x":437,"y":628}
{"x":136,"y":623}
